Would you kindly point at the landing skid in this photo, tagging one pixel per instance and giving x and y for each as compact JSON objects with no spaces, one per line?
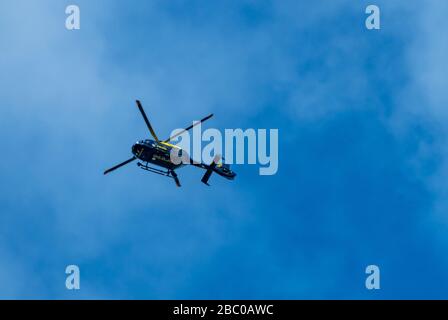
{"x":169,"y":173}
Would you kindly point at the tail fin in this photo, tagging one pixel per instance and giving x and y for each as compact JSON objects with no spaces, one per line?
{"x":210,"y":169}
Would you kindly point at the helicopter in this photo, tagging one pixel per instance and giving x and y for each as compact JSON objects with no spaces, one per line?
{"x":157,"y":153}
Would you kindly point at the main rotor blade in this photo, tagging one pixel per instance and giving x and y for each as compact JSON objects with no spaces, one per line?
{"x":139,"y":105}
{"x":119,"y":165}
{"x":188,"y":128}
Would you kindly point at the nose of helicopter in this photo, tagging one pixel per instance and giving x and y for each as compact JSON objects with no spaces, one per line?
{"x":135,"y":148}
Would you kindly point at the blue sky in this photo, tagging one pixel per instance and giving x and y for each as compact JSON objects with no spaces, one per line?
{"x":362,"y":153}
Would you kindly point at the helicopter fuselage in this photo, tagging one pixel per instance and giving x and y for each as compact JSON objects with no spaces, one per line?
{"x":157,"y":153}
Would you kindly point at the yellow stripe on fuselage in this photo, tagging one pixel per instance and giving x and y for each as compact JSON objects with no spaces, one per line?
{"x":169,"y":144}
